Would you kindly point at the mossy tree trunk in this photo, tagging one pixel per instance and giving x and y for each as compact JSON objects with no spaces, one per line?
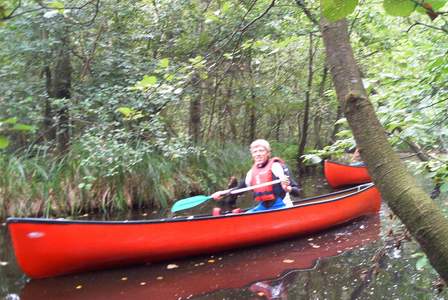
{"x":305,"y":125}
{"x":251,"y":108}
{"x":194,"y":124}
{"x":59,"y":82}
{"x":399,"y":189}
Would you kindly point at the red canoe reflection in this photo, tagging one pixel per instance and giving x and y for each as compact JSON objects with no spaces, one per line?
{"x":183,"y":279}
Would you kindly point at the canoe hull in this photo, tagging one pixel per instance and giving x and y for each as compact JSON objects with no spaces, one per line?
{"x":338,"y":174}
{"x":191,"y":282}
{"x":46,"y":247}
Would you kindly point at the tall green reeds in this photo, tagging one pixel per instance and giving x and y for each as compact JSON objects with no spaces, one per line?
{"x":41,"y":184}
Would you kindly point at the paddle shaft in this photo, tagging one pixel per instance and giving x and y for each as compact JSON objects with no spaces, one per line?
{"x":252,"y":187}
{"x":196,"y":200}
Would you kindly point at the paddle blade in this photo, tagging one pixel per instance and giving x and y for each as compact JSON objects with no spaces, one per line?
{"x":189,"y":202}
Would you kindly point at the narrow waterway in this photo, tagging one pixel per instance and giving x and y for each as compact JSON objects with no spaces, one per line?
{"x":364,"y":259}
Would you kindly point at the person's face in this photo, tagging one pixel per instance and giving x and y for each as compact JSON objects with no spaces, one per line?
{"x":259,"y":154}
{"x":357,"y":155}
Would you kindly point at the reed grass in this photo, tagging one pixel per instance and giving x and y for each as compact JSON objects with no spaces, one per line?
{"x":44,"y":185}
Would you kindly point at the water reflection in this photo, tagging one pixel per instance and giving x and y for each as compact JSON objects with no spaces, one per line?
{"x":257,"y":268}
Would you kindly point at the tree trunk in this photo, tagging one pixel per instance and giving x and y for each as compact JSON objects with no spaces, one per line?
{"x":336,"y":127}
{"x":215,"y":95}
{"x":251,"y":106}
{"x":318,"y":117}
{"x":398,"y":188}
{"x":59,"y":83}
{"x":62,"y":82}
{"x":305,"y":124}
{"x":49,"y":129}
{"x":252,"y":119}
{"x":195,"y":114}
{"x":317,"y":127}
{"x":229,"y":111}
{"x":48,"y":126}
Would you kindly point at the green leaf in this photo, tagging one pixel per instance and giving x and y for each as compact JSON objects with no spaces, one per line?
{"x":445,"y":28}
{"x":421,"y":263}
{"x":149,"y":80}
{"x":393,"y":125}
{"x":399,"y":8}
{"x":335,"y":10}
{"x":344,"y":134}
{"x":4,"y":142}
{"x":56,"y":5}
{"x":146,"y":82}
{"x":198,"y":61}
{"x":168,"y":77}
{"x":341,"y":121}
{"x":211,"y":18}
{"x":10,"y":120}
{"x":126,"y":111}
{"x":164,"y":63}
{"x":444,"y":187}
{"x":204,"y":39}
{"x":435,"y":5}
{"x":23,"y":127}
{"x":226,"y":7}
{"x":312,"y":159}
{"x":228,"y":56}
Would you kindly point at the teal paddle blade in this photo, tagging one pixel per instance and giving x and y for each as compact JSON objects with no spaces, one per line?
{"x":189,"y":202}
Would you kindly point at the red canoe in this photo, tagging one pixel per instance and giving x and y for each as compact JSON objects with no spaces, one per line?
{"x":338,"y":174}
{"x":200,"y":276}
{"x":49,"y":247}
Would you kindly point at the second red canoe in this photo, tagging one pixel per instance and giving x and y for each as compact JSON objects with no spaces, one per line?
{"x":339,"y":174}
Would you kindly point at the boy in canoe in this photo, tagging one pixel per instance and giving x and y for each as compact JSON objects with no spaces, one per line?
{"x":356,"y":159}
{"x":266,"y":169}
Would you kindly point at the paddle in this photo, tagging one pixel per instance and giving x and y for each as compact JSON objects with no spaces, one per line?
{"x":196,"y":200}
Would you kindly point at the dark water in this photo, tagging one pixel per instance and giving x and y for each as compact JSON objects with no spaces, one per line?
{"x":359,"y":260}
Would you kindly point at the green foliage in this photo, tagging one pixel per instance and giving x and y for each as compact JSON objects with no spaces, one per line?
{"x":287,"y":152}
{"x":435,"y":170}
{"x":120,"y":176}
{"x":6,"y":8}
{"x":10,"y":125}
{"x":399,"y":8}
{"x":146,"y":82}
{"x":335,"y":10}
{"x":434,"y":5}
{"x":333,"y":151}
{"x":4,"y":142}
{"x":422,"y":261}
{"x":407,"y":79}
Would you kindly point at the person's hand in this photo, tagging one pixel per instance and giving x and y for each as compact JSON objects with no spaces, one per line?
{"x":286,"y":184}
{"x":217,"y":195}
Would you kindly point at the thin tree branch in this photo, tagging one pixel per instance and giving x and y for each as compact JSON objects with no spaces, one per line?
{"x":259,"y":17}
{"x":432,"y":104}
{"x":12,"y":12}
{"x":43,"y":6}
{"x":307,"y":12}
{"x":428,"y":26}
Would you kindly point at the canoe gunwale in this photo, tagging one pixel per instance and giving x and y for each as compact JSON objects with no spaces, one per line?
{"x":297,"y":204}
{"x":345,"y":164}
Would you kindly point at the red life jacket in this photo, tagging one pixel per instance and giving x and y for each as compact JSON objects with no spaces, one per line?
{"x":262,"y":175}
